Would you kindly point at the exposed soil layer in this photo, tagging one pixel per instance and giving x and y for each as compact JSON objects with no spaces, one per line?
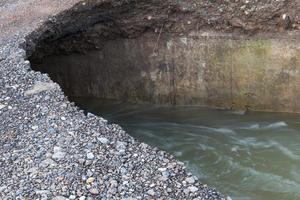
{"x":175,"y":53}
{"x":131,"y":18}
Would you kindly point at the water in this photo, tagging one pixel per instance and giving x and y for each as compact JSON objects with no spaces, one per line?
{"x":248,"y":157}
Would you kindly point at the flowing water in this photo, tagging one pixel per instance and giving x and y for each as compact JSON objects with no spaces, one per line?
{"x":254,"y":156}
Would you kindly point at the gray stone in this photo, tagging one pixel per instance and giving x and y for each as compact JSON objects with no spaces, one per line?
{"x":190,"y":180}
{"x":90,"y":156}
{"x":48,"y":163}
{"x":58,"y":153}
{"x":94,"y":191}
{"x":151,"y":192}
{"x":60,"y":198}
{"x":103,"y":140}
{"x":2,"y":106}
{"x":40,"y":87}
{"x":193,"y":189}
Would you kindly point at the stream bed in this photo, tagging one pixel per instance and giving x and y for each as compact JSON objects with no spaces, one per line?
{"x":253,"y":156}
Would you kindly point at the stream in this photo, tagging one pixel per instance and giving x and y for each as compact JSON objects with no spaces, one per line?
{"x":248,"y":157}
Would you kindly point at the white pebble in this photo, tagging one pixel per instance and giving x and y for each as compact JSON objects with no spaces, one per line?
{"x":193,"y":189}
{"x":190,"y":180}
{"x":90,"y":156}
{"x":103,"y":140}
{"x":151,"y":192}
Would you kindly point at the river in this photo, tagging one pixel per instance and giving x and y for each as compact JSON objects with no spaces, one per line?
{"x":253,"y":156}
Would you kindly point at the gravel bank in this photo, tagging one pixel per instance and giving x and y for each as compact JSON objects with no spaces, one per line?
{"x":50,"y":150}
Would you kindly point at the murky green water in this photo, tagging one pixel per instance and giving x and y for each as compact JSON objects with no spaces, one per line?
{"x":254,"y":156}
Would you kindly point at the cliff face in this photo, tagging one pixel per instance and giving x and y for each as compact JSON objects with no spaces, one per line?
{"x":230,"y":55}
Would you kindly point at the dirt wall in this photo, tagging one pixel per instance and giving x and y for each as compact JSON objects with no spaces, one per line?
{"x":198,"y":68}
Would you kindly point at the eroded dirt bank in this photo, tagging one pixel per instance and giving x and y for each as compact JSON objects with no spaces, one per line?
{"x":173,"y":53}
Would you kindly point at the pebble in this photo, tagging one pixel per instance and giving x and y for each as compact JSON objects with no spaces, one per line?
{"x":162,"y":169}
{"x":90,"y":180}
{"x":190,"y":180}
{"x":59,"y":198}
{"x":103,"y":140}
{"x":94,"y":191}
{"x":151,"y":192}
{"x":2,"y":106}
{"x":90,"y":156}
{"x":113,"y":184}
{"x":193,"y":189}
{"x":40,"y":87}
{"x":58,"y":154}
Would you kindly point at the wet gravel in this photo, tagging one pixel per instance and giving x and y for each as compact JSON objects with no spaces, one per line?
{"x":49,"y":149}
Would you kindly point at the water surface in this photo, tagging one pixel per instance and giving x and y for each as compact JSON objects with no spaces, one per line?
{"x":248,"y":157}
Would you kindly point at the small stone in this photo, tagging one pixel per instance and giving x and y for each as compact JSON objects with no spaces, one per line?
{"x":42,"y":192}
{"x":89,"y":173}
{"x":152,"y":185}
{"x":190,"y":180}
{"x":165,"y":174}
{"x":58,"y":153}
{"x":32,"y":170}
{"x":40,"y":87}
{"x":90,"y":156}
{"x":151,"y":192}
{"x":82,"y":198}
{"x":193,"y":189}
{"x":2,"y":188}
{"x":2,"y":106}
{"x":59,"y":198}
{"x":90,"y":115}
{"x":284,"y":16}
{"x":90,"y":180}
{"x":48,"y":163}
{"x":72,"y":197}
{"x":162,"y":169}
{"x":94,"y":191}
{"x":113,"y":184}
{"x":121,"y":146}
{"x":103,"y":140}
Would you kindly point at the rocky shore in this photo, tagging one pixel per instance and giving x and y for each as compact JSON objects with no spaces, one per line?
{"x":49,"y":149}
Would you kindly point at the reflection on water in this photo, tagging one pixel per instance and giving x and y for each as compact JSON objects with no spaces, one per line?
{"x":254,"y":156}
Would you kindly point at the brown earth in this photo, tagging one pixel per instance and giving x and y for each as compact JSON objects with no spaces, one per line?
{"x":250,"y":16}
{"x":90,"y":25}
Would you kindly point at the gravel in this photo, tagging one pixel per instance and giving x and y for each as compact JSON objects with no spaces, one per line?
{"x":49,"y":149}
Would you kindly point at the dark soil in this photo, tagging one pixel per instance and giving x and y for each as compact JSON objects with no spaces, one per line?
{"x":94,"y":22}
